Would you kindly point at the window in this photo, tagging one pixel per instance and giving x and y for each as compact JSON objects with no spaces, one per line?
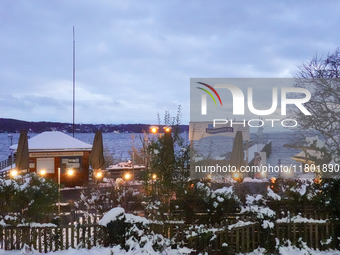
{"x":46,"y":164}
{"x":70,"y":163}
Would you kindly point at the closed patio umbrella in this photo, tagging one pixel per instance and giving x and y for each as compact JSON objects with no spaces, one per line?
{"x":237,"y":156}
{"x":22,"y":157}
{"x":97,"y":154}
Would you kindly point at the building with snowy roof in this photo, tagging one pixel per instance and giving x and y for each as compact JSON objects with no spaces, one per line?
{"x":52,"y":150}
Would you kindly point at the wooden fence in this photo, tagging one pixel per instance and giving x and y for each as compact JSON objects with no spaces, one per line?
{"x":7,"y":162}
{"x":239,"y":239}
{"x":247,"y":238}
{"x":45,"y":239}
{"x":222,"y":240}
{"x":310,"y":233}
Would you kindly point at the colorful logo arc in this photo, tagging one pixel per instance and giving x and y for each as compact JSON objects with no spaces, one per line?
{"x":213,"y":90}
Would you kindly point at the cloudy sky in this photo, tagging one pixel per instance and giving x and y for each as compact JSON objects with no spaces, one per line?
{"x":136,"y":58}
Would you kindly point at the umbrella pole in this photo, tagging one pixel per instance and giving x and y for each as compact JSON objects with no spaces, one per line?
{"x":58,"y":191}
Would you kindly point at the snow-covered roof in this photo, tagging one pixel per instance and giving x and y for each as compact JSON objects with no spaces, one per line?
{"x":125,"y":166}
{"x":55,"y":141}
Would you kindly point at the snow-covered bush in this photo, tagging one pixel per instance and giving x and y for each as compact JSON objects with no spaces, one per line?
{"x":293,"y":195}
{"x":256,"y":207}
{"x":222,"y":202}
{"x":330,"y":190}
{"x":95,"y":201}
{"x":198,"y":197}
{"x":131,"y":232}
{"x":27,"y":199}
{"x":99,"y":201}
{"x":153,"y":209}
{"x":191,"y":199}
{"x":202,"y":236}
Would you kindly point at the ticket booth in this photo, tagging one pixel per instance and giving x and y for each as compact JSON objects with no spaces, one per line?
{"x":54,"y":152}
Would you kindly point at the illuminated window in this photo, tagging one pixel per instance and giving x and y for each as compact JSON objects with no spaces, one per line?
{"x":71,"y":163}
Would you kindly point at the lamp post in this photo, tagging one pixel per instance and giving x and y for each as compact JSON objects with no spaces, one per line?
{"x":127,"y":177}
{"x":98,"y":175}
{"x":154,"y":177}
{"x":153,"y":193}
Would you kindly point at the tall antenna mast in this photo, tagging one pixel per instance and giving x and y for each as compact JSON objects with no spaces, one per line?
{"x":74,"y":77}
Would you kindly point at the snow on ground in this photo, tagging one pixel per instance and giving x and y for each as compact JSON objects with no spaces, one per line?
{"x":294,"y":251}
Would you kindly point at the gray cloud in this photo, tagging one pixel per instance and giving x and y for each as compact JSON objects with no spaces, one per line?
{"x":134,"y":60}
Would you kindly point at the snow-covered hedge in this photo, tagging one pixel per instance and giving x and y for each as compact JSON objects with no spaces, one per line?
{"x":131,"y":232}
{"x":26,"y":199}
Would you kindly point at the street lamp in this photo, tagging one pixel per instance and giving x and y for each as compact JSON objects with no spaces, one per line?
{"x":237,"y":177}
{"x":154,"y":129}
{"x":42,"y":172}
{"x":14,"y":173}
{"x":153,"y":183}
{"x":99,"y":175}
{"x":167,"y":129}
{"x":58,"y":191}
{"x":70,"y":172}
{"x":127,"y":176}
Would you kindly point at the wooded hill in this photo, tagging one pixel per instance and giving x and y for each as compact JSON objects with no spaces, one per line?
{"x":15,"y":126}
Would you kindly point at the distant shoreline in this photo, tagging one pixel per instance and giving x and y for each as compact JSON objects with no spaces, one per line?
{"x":15,"y":126}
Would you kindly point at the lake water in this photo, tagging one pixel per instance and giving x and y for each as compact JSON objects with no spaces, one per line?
{"x":120,"y":144}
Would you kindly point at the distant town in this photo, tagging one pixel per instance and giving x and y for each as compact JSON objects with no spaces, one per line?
{"x":15,"y":126}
